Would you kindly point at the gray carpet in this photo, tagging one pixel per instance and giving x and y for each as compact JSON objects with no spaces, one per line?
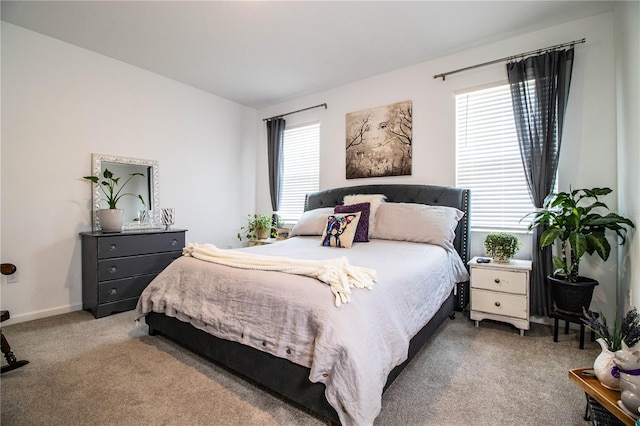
{"x":109,"y":372}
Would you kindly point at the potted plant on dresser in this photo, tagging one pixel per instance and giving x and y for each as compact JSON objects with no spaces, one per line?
{"x":575,"y":220}
{"x":111,"y":219}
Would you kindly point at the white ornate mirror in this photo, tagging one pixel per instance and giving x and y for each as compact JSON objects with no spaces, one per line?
{"x":147,"y":188}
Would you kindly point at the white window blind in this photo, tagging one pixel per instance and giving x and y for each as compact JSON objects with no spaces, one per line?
{"x":300,"y":169}
{"x":488,"y":160}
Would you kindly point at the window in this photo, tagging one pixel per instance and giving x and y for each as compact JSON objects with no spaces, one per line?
{"x":300,"y":169}
{"x":488,"y":160}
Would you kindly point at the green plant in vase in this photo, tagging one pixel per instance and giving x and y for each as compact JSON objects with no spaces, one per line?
{"x":259,"y":227}
{"x":580,"y":221}
{"x":501,"y":246}
{"x":111,"y":219}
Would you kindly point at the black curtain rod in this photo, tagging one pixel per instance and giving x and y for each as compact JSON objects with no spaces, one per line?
{"x":508,"y":58}
{"x":293,"y":112}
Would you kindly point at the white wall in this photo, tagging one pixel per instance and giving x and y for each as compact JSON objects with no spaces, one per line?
{"x":588,"y":154}
{"x":626,"y":18}
{"x":60,"y":103}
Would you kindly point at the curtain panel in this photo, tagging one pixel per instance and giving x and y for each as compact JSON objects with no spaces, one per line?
{"x":275,"y":136}
{"x":539,"y":93}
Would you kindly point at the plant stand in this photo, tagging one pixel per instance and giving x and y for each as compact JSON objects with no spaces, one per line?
{"x":567,"y":318}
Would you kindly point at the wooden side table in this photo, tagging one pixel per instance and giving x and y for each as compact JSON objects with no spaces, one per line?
{"x":607,"y":398}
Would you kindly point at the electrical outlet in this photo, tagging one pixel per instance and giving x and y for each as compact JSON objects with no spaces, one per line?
{"x":13,"y":278}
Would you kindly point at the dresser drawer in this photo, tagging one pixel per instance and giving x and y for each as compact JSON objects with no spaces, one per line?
{"x":111,"y":291}
{"x":499,"y":280}
{"x":499,"y":303}
{"x":113,"y":269}
{"x":131,"y":245}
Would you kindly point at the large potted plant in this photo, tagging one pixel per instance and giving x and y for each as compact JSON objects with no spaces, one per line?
{"x":574,"y":219}
{"x":111,"y":219}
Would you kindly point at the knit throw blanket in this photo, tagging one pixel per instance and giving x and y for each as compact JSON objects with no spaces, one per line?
{"x":337,"y":273}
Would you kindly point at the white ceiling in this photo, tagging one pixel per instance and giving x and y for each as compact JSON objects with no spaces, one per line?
{"x":260,"y":53}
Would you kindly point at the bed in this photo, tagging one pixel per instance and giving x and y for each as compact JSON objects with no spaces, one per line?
{"x":323,"y":373}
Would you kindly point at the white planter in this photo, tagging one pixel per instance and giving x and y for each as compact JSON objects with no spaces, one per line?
{"x":602,"y":367}
{"x":110,"y":219}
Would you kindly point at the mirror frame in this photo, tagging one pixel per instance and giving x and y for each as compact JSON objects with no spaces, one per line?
{"x":154,"y":191}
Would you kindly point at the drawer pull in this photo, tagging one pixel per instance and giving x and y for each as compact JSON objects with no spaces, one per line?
{"x":113,"y":291}
{"x":113,"y":247}
{"x":174,"y":242}
{"x":497,"y":281}
{"x":497,"y":303}
{"x":113,"y":269}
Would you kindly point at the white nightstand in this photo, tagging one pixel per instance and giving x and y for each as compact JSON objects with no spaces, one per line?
{"x":500,"y":291}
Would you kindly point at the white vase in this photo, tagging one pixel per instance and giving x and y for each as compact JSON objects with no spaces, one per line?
{"x":602,"y":366}
{"x":110,"y":219}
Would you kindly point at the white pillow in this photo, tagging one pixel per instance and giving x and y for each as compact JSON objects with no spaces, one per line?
{"x":312,"y":222}
{"x":417,"y":223}
{"x":373,"y":199}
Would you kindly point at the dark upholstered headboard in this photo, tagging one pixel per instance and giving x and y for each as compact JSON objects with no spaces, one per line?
{"x":421,"y":194}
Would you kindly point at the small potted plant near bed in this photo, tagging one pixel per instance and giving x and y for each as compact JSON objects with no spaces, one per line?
{"x":111,"y":219}
{"x":501,"y":246}
{"x":258,"y":227}
{"x":574,"y":219}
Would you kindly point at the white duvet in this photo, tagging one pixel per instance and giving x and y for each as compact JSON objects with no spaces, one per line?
{"x":351,"y":348}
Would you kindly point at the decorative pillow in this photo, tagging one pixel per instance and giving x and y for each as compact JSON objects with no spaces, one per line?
{"x":417,"y":223}
{"x":312,"y":222}
{"x":362,"y":232}
{"x":373,"y":199}
{"x":340,"y":230}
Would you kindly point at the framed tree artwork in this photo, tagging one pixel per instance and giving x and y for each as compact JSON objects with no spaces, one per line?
{"x":378,"y":141}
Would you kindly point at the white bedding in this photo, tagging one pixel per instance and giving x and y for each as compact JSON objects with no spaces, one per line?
{"x":351,"y":348}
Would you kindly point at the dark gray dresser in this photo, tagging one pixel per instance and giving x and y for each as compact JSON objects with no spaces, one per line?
{"x":116,"y":267}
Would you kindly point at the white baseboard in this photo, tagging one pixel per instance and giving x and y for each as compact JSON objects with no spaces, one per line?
{"x":41,"y":314}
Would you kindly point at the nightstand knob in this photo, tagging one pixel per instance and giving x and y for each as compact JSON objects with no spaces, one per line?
{"x":497,"y":281}
{"x":113,"y":269}
{"x":497,"y":303}
{"x":113,"y":291}
{"x":174,"y":242}
{"x":113,"y":247}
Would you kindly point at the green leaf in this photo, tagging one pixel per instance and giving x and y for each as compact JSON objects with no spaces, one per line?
{"x":549,"y":236}
{"x":598,"y":243}
{"x":578,"y":244}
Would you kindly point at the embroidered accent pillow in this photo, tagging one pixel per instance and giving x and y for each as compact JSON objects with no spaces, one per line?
{"x":312,"y":222}
{"x":362,"y":231}
{"x":340,"y":230}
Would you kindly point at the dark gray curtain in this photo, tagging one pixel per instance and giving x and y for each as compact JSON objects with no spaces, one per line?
{"x":539,"y":93}
{"x":275,"y":135}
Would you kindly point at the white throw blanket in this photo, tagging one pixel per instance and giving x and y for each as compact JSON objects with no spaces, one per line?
{"x":337,"y":273}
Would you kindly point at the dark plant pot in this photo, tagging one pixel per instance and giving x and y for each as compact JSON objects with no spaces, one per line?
{"x":569,"y":297}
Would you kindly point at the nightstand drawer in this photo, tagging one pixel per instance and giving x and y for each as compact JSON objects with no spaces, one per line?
{"x":130,"y":245}
{"x":113,"y":269}
{"x":499,"y":280}
{"x":111,"y":291}
{"x":500,"y":303}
